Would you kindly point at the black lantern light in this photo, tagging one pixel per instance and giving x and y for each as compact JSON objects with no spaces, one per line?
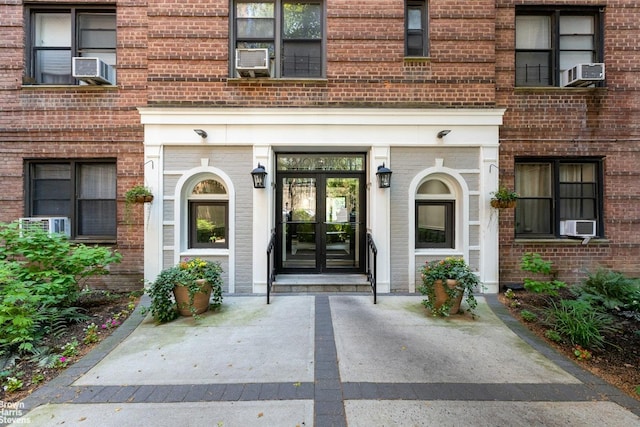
{"x":384,"y":176}
{"x":259,"y":176}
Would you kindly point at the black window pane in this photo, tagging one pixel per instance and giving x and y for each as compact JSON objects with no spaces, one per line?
{"x":302,"y":59}
{"x":578,"y":190}
{"x":533,"y":216}
{"x":533,"y":69}
{"x":51,"y":208}
{"x":577,"y":209}
{"x":97,"y":218}
{"x":415,"y":45}
{"x":53,"y":189}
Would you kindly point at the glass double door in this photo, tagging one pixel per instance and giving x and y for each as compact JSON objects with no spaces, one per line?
{"x":321,"y":227}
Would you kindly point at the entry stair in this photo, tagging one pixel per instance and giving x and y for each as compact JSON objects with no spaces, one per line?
{"x":318,"y":283}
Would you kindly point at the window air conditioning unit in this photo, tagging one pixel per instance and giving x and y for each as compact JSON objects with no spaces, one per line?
{"x":578,"y":228}
{"x":49,"y":224}
{"x":583,"y":74}
{"x":252,"y":62}
{"x":93,"y":71}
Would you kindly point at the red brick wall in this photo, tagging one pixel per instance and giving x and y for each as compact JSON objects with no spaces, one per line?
{"x":577,"y":122}
{"x":176,"y":53}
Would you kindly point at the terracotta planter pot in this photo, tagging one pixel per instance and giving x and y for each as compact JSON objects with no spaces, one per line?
{"x":441,"y":295}
{"x":200,"y":299}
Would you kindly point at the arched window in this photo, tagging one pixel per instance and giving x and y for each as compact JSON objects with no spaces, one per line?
{"x":209,"y":215}
{"x":435,"y":215}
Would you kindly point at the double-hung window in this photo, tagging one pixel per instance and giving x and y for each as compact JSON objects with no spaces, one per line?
{"x":82,"y":190}
{"x":555,"y":190}
{"x":56,"y":34}
{"x":415,"y":40}
{"x":292,"y":31}
{"x":552,"y":40}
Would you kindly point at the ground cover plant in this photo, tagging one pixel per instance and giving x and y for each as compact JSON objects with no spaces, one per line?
{"x":595,"y":322}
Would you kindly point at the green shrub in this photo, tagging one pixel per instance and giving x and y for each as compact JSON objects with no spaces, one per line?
{"x":611,"y":290}
{"x":41,"y":276}
{"x":579,"y":322}
{"x":534,"y":263}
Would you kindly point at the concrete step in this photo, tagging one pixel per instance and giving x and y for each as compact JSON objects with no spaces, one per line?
{"x":317,"y":283}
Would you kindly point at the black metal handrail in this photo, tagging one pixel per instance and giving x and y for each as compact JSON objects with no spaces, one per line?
{"x":271,"y":265}
{"x":371,"y":266}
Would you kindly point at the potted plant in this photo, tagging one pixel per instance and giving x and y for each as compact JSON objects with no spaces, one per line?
{"x":445,"y":282}
{"x":187,"y":289}
{"x":503,"y":198}
{"x":136,"y":194}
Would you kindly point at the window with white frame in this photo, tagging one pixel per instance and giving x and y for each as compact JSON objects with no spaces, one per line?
{"x":435,"y":215}
{"x":291,"y":31}
{"x":58,"y":33}
{"x":82,"y":190}
{"x":552,"y":40}
{"x":209,"y":215}
{"x":415,"y":40}
{"x":555,"y":190}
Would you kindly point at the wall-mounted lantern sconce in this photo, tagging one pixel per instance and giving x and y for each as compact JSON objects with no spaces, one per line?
{"x":384,"y":176}
{"x":201,"y":133}
{"x":259,"y":176}
{"x":444,"y":133}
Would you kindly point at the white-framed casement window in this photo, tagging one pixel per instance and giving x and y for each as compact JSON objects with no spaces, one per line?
{"x":435,"y":215}
{"x":550,"y":40}
{"x":415,"y":21}
{"x":57,"y":33}
{"x":555,"y":190}
{"x":208,"y":206}
{"x":82,"y":190}
{"x":291,"y":31}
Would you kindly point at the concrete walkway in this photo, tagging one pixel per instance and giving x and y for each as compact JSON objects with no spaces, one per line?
{"x":327,"y":360}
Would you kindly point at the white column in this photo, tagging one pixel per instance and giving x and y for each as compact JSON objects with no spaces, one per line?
{"x":490,"y":238}
{"x":380,"y":216}
{"x":153,"y":242}
{"x":263,"y":207}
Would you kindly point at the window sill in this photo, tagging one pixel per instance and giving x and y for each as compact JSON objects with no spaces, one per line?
{"x":67,"y":87}
{"x":92,"y":241}
{"x":195,"y":252}
{"x":273,"y":80}
{"x":558,"y":88}
{"x":561,"y":241}
{"x":417,"y":59}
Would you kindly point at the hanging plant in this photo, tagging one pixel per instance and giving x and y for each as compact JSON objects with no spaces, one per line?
{"x":503,"y":198}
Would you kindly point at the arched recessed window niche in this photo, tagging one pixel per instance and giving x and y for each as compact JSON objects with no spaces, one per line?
{"x":208,"y":213}
{"x":434,"y":215}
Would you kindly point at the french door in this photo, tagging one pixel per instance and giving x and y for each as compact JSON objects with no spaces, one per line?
{"x":321,"y":228}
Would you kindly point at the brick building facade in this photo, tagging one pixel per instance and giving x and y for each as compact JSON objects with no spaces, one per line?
{"x":384,"y":79}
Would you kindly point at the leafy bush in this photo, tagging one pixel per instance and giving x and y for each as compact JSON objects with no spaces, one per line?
{"x":611,"y":290}
{"x":579,"y":322}
{"x":534,"y":263}
{"x":41,"y":276}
